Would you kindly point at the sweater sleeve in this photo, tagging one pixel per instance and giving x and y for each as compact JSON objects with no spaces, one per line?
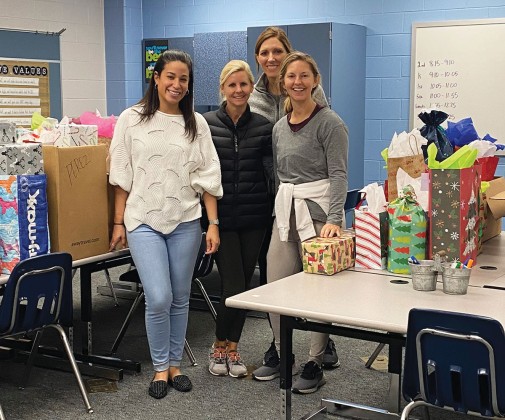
{"x":207,"y":177}
{"x":121,"y":173}
{"x":335,"y":142}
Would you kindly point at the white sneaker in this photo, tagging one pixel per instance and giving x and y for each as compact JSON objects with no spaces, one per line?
{"x":217,"y":361}
{"x":236,"y":367}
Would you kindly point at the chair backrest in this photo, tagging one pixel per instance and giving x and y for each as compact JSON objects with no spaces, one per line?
{"x":455,"y":360}
{"x":38,"y":293}
{"x":204,"y":262}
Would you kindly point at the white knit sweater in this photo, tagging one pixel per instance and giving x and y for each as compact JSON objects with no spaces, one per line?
{"x":164,"y":173}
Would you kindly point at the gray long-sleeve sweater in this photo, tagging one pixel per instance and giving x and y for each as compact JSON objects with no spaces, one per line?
{"x":317,"y":151}
{"x":271,"y":106}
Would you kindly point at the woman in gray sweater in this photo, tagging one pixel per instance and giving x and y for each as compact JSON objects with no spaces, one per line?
{"x":272,"y":46}
{"x":310,"y":146}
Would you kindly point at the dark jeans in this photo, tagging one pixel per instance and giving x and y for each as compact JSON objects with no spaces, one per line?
{"x":236,"y":261}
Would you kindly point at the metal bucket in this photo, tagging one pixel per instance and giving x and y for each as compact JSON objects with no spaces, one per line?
{"x":455,"y":280}
{"x":424,"y":275}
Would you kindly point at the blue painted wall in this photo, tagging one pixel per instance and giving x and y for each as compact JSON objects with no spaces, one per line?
{"x":388,"y":23}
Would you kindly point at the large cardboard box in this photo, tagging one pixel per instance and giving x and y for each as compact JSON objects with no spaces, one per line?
{"x":77,"y":198}
{"x":494,"y":208}
{"x":329,"y":255}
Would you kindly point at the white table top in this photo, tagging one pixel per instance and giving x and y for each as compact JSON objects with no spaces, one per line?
{"x":362,"y":300}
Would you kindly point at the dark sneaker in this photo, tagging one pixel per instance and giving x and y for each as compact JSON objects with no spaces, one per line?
{"x":310,"y":380}
{"x":271,"y":368}
{"x":330,"y":357}
{"x":270,"y":353}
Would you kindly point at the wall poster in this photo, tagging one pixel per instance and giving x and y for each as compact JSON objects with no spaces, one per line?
{"x":24,"y":89}
{"x":151,"y":50}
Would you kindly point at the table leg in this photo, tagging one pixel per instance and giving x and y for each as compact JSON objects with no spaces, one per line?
{"x":86,"y":310}
{"x":286,"y":379}
{"x":395,"y":372}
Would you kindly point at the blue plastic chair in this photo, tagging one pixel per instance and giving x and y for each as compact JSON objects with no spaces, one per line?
{"x":454,"y":361}
{"x":38,"y":295}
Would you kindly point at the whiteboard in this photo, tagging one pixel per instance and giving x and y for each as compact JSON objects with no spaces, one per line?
{"x":459,"y":67}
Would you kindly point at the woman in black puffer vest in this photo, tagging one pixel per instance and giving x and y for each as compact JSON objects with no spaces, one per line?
{"x":243,"y":141}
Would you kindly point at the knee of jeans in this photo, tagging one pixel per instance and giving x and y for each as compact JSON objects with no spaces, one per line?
{"x":158,"y":303}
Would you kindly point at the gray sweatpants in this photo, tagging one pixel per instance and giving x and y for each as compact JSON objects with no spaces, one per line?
{"x":285,"y":259}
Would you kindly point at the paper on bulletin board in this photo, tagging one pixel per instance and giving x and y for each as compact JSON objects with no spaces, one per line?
{"x":24,"y":89}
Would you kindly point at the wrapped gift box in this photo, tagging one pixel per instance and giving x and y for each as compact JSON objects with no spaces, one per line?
{"x":70,"y":135}
{"x":21,"y":159}
{"x":8,"y":134}
{"x":329,"y":255}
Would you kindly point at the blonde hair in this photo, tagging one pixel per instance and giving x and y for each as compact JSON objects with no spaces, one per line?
{"x":231,"y":67}
{"x":291,"y":58}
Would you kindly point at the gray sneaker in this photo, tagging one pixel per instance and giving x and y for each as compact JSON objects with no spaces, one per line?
{"x":271,"y":368}
{"x":236,"y":367}
{"x":217,"y":361}
{"x":310,"y":380}
{"x":330,"y":356}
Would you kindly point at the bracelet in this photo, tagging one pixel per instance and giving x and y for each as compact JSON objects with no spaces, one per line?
{"x":119,"y":224}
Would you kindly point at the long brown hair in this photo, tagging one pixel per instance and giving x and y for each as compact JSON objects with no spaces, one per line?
{"x":271,"y":32}
{"x":291,"y":58}
{"x":150,"y":103}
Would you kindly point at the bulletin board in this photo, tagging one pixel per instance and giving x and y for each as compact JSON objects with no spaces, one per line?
{"x":459,"y":67}
{"x":30,"y":76}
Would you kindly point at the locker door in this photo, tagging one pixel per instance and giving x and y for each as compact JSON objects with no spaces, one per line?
{"x":252,"y":36}
{"x":314,"y":39}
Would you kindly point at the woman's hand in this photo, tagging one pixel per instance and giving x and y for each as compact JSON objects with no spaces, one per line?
{"x":118,"y":236}
{"x":212,"y":239}
{"x":330,"y":230}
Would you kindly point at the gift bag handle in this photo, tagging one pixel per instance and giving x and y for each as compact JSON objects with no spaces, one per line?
{"x":414,"y":152}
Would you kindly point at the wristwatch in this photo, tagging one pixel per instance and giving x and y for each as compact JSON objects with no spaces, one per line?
{"x":214,"y":222}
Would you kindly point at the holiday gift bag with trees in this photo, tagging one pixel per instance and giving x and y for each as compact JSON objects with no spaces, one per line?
{"x":407,"y":231}
{"x":454,"y":212}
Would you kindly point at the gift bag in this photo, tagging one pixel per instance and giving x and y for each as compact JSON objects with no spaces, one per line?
{"x":404,"y":151}
{"x":23,"y":219}
{"x":407,"y":231}
{"x":435,"y":134}
{"x":454,"y":212}
{"x":371,"y":231}
{"x":414,"y":165}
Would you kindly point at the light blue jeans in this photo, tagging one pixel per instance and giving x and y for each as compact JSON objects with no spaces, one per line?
{"x":165,"y":265}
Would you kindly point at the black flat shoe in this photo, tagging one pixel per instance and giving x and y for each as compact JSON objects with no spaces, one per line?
{"x":180,"y":383}
{"x":158,"y":389}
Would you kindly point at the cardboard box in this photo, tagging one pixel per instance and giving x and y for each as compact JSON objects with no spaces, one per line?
{"x":494,"y":208}
{"x":329,"y":255}
{"x":77,"y":197}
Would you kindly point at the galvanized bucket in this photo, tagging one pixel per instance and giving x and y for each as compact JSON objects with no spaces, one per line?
{"x":424,"y":275}
{"x":455,"y":280}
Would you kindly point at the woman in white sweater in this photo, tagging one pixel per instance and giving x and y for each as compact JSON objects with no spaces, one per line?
{"x":162,"y":162}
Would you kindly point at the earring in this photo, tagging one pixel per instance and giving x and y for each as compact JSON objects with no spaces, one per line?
{"x":187,"y":92}
{"x":155,"y":86}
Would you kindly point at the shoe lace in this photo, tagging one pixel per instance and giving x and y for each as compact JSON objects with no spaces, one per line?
{"x":310,"y":369}
{"x":219,"y":354}
{"x":234,"y":357}
{"x":271,"y":359}
{"x":330,"y":348}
